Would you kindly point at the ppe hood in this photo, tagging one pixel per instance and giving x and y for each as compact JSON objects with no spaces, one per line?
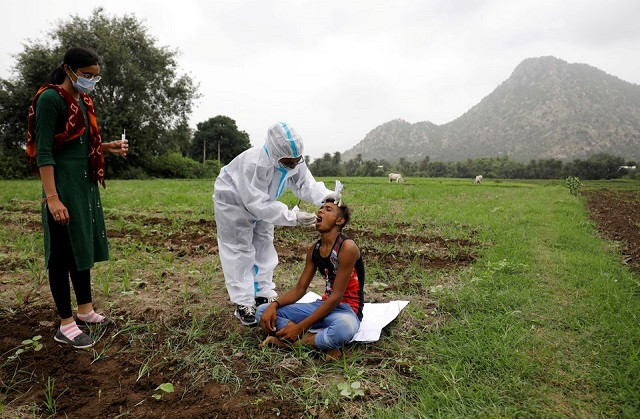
{"x":282,"y":142}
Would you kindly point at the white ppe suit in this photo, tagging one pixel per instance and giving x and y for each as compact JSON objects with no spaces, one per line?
{"x":246,"y":210}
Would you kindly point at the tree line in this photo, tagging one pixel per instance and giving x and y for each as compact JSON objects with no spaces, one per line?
{"x":597,"y":166}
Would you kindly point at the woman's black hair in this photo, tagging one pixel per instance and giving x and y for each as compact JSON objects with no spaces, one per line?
{"x":75,"y":58}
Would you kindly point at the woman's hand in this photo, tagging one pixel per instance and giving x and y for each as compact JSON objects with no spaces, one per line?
{"x":115,"y":147}
{"x":58,"y":210}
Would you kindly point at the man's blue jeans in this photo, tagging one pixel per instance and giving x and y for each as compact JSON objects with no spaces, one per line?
{"x":337,"y":328}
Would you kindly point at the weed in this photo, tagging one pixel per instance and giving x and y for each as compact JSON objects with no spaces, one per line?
{"x":145,"y":368}
{"x":26,"y":345}
{"x":350,"y":391}
{"x":163,"y":388}
{"x":50,"y":400}
{"x":573,"y":184}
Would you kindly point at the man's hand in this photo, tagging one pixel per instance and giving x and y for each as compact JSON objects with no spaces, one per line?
{"x":268,"y":320}
{"x":291,"y":332}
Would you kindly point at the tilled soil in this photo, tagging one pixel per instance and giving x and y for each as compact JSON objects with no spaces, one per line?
{"x":87,"y":385}
{"x":617,"y":215}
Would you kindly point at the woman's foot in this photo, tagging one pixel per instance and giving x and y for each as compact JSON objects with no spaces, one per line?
{"x":70,"y":334}
{"x":92,"y":318}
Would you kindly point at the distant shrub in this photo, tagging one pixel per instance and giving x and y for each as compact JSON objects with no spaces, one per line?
{"x":175,"y":165}
{"x":573,"y":184}
{"x":212,"y":168}
{"x":14,"y":168}
{"x":133,"y":173}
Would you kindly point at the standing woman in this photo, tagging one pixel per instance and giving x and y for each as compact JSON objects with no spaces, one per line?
{"x":63,"y":141}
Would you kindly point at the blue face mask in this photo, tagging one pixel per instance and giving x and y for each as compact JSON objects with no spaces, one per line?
{"x":85,"y":85}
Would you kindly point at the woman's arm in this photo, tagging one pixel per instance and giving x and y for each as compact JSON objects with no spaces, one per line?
{"x":56,"y":207}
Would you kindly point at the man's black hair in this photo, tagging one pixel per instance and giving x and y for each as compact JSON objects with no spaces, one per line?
{"x":345,"y":212}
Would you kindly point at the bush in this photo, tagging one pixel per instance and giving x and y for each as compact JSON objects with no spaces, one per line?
{"x":133,"y":173}
{"x":175,"y":165}
{"x":212,"y":168}
{"x":12,"y":167}
{"x":574,"y":185}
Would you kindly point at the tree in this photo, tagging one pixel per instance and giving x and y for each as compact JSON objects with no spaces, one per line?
{"x":322,"y":166}
{"x":140,"y":90}
{"x":219,"y":131}
{"x":353,"y":167}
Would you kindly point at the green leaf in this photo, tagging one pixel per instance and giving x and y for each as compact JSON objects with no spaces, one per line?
{"x":358,"y":393}
{"x":37,"y":347}
{"x":166,"y":387}
{"x":355,"y":384}
{"x":157,"y":396}
{"x":343,"y":386}
{"x":36,"y":338}
{"x":27,"y":342}
{"x":345,"y":392}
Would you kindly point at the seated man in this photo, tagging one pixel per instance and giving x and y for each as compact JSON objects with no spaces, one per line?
{"x":339,"y":312}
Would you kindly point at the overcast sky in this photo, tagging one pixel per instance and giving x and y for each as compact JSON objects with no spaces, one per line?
{"x":335,"y":70}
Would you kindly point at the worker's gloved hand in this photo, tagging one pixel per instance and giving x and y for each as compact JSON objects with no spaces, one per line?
{"x":336,"y":195}
{"x":331,"y":196}
{"x":305,"y":219}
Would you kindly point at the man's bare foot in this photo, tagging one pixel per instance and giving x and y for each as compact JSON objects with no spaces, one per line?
{"x":273,"y":341}
{"x":333,"y":355}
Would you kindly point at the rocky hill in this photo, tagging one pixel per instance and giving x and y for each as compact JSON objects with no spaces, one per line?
{"x":547,"y":108}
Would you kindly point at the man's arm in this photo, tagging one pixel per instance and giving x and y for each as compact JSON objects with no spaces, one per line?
{"x":268,"y":320}
{"x":347,"y":258}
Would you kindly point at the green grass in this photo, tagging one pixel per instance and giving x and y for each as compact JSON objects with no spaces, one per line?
{"x":545,"y":322}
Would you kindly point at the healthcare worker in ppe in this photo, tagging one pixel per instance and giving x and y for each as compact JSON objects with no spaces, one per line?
{"x":246,"y":209}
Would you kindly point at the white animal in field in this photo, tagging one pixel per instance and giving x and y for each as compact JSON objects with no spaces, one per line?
{"x":477,"y":180}
{"x":395,"y":176}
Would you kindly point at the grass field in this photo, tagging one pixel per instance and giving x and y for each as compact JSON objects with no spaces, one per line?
{"x":518,"y":307}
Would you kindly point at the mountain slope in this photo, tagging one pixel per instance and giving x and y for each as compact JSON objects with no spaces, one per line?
{"x":547,"y":108}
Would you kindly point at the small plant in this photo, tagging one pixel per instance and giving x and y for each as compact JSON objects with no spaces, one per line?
{"x":350,"y":391}
{"x":164,"y":388}
{"x":574,"y":185}
{"x":145,"y":368}
{"x":49,"y":399}
{"x":33,"y":343}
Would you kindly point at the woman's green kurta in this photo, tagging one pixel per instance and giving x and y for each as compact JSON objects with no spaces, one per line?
{"x":75,"y":188}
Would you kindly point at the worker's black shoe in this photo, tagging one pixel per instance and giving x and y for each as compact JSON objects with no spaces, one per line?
{"x":246,"y":314}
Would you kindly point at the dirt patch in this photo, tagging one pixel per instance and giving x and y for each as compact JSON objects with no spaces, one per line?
{"x":393,"y":252}
{"x":110,"y":385}
{"x":617,"y":215}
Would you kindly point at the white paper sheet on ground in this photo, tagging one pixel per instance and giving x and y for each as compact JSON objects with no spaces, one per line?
{"x":375,"y":316}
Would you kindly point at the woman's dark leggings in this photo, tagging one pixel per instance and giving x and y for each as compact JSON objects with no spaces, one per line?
{"x":61,"y":264}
